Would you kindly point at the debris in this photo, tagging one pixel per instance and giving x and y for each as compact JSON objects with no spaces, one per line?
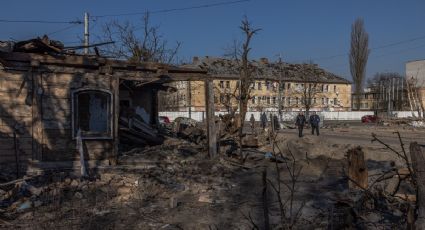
{"x":173,"y":202}
{"x":417,"y":124}
{"x":205,"y":198}
{"x":23,"y":206}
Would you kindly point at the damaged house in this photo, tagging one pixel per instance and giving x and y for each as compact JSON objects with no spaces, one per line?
{"x":50,"y":97}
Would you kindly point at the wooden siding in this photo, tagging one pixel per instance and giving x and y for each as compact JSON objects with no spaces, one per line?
{"x":38,"y":106}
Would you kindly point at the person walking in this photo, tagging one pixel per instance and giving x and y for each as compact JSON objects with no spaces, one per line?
{"x":314,"y":122}
{"x":252,"y":121}
{"x":263,"y":119}
{"x":300,"y":122}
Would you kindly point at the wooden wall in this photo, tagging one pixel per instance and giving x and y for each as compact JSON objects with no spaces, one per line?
{"x":37,"y":104}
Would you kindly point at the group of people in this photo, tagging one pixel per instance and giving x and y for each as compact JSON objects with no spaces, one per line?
{"x":300,"y":122}
{"x":314,"y":122}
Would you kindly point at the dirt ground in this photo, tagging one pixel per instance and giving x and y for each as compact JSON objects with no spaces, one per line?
{"x":175,"y":186}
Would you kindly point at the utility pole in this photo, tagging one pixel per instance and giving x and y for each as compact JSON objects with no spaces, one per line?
{"x":86,"y":33}
{"x":389,"y":99}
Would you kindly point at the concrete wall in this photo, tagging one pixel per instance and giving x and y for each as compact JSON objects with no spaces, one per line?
{"x":289,"y":116}
{"x":416,"y":69}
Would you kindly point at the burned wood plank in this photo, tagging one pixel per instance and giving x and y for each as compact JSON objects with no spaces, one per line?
{"x":115,"y":86}
{"x":357,"y":169}
{"x":24,"y":143}
{"x":211,"y":129}
{"x":418,"y":163}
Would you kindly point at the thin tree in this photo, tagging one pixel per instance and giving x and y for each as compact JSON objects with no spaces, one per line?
{"x":240,"y":53}
{"x":310,"y":88}
{"x":358,"y":56}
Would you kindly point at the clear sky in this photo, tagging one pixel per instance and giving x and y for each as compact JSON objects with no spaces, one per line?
{"x":302,"y":30}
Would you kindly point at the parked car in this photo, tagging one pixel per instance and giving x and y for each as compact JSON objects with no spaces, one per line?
{"x":164,"y":120}
{"x":369,"y":119}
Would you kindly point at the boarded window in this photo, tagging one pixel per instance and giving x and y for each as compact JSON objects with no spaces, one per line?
{"x":92,"y":113}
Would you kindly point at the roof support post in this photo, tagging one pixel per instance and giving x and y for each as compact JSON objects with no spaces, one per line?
{"x":211,"y":129}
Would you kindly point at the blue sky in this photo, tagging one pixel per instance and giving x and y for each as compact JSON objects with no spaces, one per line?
{"x":300,"y":31}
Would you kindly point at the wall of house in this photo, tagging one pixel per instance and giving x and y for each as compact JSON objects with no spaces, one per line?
{"x":38,"y":105}
{"x":176,"y":102}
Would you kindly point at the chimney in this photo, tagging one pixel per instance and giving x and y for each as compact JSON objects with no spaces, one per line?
{"x":264,"y":61}
{"x":195,"y":59}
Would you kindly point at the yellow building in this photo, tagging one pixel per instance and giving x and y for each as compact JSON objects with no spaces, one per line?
{"x":290,"y":85}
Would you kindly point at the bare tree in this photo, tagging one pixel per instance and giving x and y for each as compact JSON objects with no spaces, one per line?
{"x":246,"y":74}
{"x":310,"y":89}
{"x":359,"y":53}
{"x":240,"y":53}
{"x":414,"y":96}
{"x":388,"y":89}
{"x":138,"y":43}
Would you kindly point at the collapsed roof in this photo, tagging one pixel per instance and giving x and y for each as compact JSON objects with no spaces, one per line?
{"x":262,"y":69}
{"x":43,"y":51}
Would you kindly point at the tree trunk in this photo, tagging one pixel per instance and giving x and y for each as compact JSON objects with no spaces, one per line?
{"x":418,"y":164}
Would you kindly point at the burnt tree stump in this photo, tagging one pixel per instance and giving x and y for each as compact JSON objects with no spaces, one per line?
{"x":418,"y":165}
{"x":357,"y":170}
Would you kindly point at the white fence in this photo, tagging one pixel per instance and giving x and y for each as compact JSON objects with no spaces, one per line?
{"x":290,"y":116}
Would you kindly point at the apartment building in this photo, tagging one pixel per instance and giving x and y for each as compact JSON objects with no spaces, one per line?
{"x":290,"y":86}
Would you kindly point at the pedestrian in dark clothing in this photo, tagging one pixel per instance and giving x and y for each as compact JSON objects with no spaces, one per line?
{"x":300,"y":122}
{"x":276,"y":122}
{"x":314,"y":122}
{"x":263,"y":119}
{"x":252,"y":121}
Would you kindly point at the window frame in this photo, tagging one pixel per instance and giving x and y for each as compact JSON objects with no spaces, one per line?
{"x":74,"y":113}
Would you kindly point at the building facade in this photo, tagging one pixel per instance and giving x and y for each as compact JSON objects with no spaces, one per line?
{"x":415,"y":74}
{"x":288,"y":86}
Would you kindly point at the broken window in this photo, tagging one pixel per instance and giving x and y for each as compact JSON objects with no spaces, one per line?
{"x":228,"y":84}
{"x":259,"y":85}
{"x":92,"y":113}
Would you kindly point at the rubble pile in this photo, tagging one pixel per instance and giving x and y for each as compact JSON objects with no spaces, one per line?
{"x":165,"y":186}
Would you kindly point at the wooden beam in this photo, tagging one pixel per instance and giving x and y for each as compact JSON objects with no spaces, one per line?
{"x":211,"y":129}
{"x":418,"y":163}
{"x":115,"y":85}
{"x":357,"y":169}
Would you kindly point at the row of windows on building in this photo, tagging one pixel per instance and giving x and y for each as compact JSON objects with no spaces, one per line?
{"x":291,"y":100}
{"x":274,"y":86}
{"x":225,"y":98}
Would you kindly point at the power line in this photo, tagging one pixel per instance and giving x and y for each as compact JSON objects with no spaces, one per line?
{"x":63,"y":29}
{"x":174,"y":9}
{"x":379,"y":56}
{"x":373,"y":48}
{"x":41,"y":21}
